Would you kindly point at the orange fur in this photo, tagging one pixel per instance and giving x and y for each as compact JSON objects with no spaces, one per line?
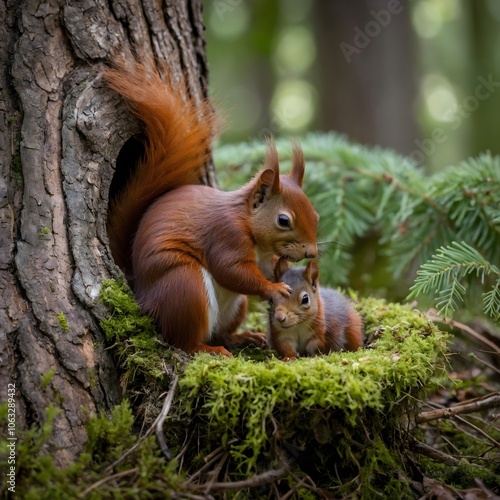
{"x":179,"y":136}
{"x":194,"y":252}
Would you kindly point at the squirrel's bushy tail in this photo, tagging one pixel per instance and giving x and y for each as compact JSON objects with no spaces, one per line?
{"x":179,"y":133}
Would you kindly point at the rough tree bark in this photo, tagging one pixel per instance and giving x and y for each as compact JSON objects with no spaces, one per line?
{"x":61,"y":132}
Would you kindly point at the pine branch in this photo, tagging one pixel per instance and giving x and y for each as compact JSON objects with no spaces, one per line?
{"x":442,"y":275}
{"x":491,"y":301}
{"x":450,"y":297}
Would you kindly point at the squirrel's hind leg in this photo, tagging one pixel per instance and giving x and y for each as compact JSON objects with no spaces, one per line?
{"x":182,"y":307}
{"x":242,"y":339}
{"x":231,"y":319}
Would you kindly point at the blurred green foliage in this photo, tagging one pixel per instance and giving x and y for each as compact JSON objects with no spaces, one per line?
{"x":264,"y":70}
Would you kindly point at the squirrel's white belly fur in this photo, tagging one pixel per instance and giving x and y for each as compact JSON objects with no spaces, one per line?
{"x":223,"y":304}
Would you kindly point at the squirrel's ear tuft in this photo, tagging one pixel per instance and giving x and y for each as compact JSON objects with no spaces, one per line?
{"x":298,"y":167}
{"x":280,"y":265}
{"x":311,"y":274}
{"x":271,"y":162}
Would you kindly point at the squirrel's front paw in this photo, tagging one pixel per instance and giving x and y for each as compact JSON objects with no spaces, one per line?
{"x":243,"y":339}
{"x":280,"y":290}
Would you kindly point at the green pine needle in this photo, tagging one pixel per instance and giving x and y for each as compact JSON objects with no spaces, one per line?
{"x":443,"y":274}
{"x":491,"y":301}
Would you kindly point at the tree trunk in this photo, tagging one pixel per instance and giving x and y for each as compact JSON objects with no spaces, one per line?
{"x":483,"y":112}
{"x":366,"y":74}
{"x":61,"y":132}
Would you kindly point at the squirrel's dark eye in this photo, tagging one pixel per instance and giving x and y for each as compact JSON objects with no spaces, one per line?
{"x":283,"y":220}
{"x":305,"y":299}
{"x":271,"y":301}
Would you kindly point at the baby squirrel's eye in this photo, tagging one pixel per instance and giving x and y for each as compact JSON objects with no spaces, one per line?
{"x":305,"y":299}
{"x":271,"y":301}
{"x":283,"y":220}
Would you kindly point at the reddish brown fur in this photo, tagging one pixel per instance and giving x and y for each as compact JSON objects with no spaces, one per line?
{"x":321,"y":326}
{"x":193,"y":250}
{"x":179,"y":136}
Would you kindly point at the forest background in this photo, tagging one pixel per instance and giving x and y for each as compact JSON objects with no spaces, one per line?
{"x":386,"y":73}
{"x":420,"y":78}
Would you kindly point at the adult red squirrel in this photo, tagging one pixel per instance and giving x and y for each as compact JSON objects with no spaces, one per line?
{"x":194,"y":252}
{"x":313,"y":319}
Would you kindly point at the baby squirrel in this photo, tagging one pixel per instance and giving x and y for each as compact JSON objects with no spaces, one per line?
{"x":193,"y":252}
{"x":312,"y":319}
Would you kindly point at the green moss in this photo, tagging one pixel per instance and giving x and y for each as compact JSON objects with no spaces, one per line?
{"x":12,"y":119}
{"x":92,"y":377}
{"x":17,"y":166}
{"x":39,"y":477}
{"x":44,"y":231}
{"x":330,"y":409}
{"x":482,"y":459}
{"x":125,"y":318}
{"x":464,"y":475}
{"x":109,"y":437}
{"x":46,"y":378}
{"x":142,"y":356}
{"x":63,"y":322}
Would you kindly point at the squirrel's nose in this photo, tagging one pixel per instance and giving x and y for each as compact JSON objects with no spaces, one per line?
{"x":311,"y":251}
{"x":280,"y":316}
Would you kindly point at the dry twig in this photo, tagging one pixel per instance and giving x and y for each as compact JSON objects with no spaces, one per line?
{"x":257,"y":480}
{"x":215,"y":472}
{"x":479,"y":431}
{"x":149,"y":431}
{"x":161,"y":418}
{"x":428,"y":451}
{"x":485,"y":403}
{"x":107,"y":479}
{"x":210,"y":459}
{"x":467,"y":329}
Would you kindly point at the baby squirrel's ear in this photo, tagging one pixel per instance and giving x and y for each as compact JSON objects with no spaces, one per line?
{"x":311,"y":273}
{"x":280,"y":264}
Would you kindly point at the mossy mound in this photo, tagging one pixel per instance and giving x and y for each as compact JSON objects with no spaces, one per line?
{"x":340,"y":417}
